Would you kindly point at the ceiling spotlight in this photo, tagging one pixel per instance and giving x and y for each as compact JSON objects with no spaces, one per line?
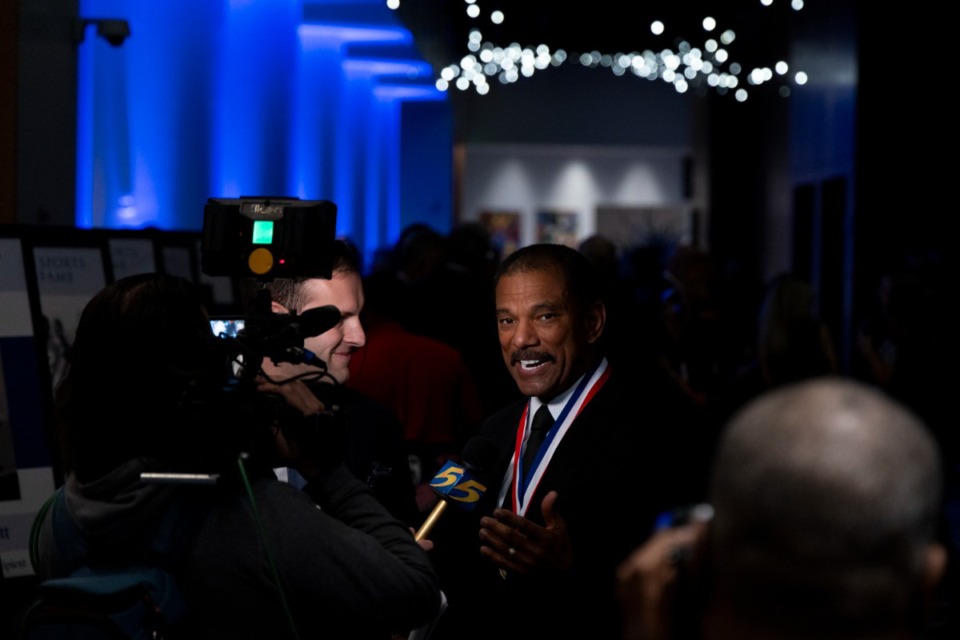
{"x":113,"y":30}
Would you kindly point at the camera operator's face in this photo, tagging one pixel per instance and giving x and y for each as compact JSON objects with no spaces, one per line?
{"x":335,"y":346}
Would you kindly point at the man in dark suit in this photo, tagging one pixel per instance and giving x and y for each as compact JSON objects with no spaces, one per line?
{"x":536,"y":557}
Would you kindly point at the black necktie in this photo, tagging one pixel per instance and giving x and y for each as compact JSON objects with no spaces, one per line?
{"x":542,"y":422}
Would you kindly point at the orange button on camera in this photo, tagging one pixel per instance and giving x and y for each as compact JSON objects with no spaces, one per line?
{"x":260,"y":261}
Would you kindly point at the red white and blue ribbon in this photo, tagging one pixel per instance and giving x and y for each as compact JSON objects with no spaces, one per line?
{"x":524,"y":481}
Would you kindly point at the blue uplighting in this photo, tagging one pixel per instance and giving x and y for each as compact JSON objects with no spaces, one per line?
{"x":249,"y":98}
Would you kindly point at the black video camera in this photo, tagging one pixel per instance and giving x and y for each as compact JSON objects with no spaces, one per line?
{"x":268,"y":237}
{"x":262,"y":239}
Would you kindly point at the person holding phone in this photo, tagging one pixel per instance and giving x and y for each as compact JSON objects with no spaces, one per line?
{"x":824,"y":512}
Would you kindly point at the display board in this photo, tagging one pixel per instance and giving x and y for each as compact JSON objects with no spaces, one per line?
{"x":47,"y":276}
{"x":26,"y":462}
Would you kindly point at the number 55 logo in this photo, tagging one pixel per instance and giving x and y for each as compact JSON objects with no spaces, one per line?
{"x":454,"y":482}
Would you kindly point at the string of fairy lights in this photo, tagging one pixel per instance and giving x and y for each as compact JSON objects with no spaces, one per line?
{"x":705,"y":61}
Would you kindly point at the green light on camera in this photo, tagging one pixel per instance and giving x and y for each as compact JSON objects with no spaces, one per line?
{"x":262,"y":231}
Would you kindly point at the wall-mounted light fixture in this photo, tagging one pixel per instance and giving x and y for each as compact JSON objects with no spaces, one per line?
{"x":113,"y":30}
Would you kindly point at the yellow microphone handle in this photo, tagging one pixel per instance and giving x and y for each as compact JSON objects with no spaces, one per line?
{"x":430,"y":521}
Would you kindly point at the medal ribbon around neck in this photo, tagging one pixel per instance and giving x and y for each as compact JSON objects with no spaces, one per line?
{"x":525,"y":481}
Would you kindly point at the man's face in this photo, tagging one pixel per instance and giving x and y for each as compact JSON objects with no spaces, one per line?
{"x":335,"y":347}
{"x":545,"y":344}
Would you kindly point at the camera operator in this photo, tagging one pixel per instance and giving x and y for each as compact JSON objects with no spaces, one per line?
{"x":370,"y":434}
{"x":263,"y":559}
{"x":825,"y":502}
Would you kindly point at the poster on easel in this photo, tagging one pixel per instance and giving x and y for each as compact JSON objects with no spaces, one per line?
{"x":177,"y":261}
{"x":26,"y":468}
{"x":67,"y":277}
{"x":223,"y":298}
{"x":130,"y":256}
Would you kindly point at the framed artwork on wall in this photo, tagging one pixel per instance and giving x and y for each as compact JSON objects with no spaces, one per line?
{"x":557,"y":227}
{"x":504,"y":228}
{"x":644,"y":226}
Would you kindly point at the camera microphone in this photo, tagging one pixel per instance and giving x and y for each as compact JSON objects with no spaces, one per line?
{"x":458,"y":483}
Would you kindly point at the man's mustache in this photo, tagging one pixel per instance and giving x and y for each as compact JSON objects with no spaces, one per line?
{"x":517,"y":356}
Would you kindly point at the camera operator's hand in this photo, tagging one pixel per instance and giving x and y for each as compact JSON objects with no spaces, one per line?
{"x":300,"y":398}
{"x":651,"y":584}
{"x":296,"y":394}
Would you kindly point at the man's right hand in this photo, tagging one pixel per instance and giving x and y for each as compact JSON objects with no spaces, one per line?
{"x":298,"y":396}
{"x":517,"y":544}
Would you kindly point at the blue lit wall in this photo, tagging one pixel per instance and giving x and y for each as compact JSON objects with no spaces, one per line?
{"x":257,"y":97}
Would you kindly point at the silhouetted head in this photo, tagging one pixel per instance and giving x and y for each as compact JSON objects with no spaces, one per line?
{"x":826,"y":496}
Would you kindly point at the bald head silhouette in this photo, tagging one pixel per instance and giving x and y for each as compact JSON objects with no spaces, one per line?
{"x":827,"y":496}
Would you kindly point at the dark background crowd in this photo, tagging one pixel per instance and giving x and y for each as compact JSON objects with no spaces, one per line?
{"x":719,"y":335}
{"x":700,"y":334}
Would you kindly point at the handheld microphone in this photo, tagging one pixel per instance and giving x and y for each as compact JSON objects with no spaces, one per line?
{"x":458,"y":483}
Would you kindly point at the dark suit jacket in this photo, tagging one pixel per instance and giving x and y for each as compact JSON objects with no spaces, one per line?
{"x":372,"y":446}
{"x":619,"y":465}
